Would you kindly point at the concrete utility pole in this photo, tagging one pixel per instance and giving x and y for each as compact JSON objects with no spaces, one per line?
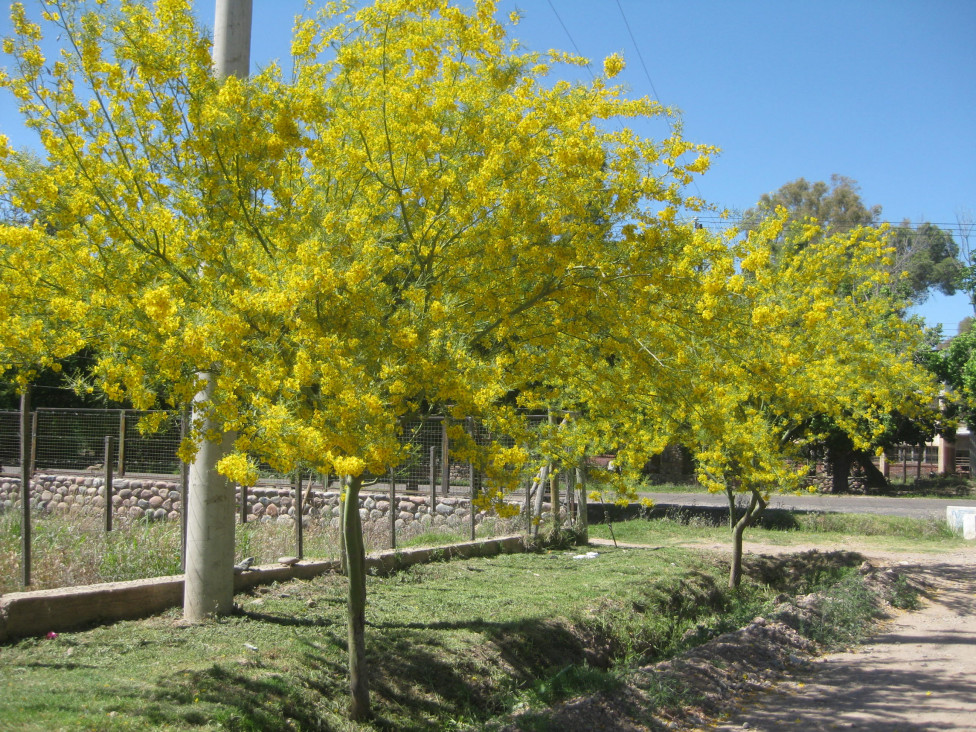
{"x":232,"y":38}
{"x":208,"y":587}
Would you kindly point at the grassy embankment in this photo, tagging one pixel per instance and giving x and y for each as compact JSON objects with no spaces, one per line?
{"x":453,"y":645}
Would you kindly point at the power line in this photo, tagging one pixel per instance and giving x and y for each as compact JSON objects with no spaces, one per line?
{"x":569,"y":35}
{"x":951,"y":228}
{"x":647,"y":75}
{"x":640,"y":57}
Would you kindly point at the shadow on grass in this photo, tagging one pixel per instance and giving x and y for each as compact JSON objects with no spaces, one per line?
{"x":237,"y":699}
{"x":420,"y":676}
{"x":417,"y":669}
{"x":801,"y":573}
{"x":286,"y":620}
{"x":424,"y":675}
{"x":935,"y":486}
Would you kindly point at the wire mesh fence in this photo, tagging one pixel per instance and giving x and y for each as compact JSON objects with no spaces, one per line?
{"x":151,"y":452}
{"x":73,"y":485}
{"x":432,"y":463}
{"x":73,"y":440}
{"x":9,"y":438}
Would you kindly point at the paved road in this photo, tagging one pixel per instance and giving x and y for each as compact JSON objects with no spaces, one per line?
{"x":911,"y":507}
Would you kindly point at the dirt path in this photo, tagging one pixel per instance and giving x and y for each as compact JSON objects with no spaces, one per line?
{"x":918,"y":674}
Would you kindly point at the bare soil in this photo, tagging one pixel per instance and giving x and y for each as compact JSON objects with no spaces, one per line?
{"x":917,"y":673}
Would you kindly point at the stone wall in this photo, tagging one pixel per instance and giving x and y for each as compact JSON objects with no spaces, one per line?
{"x":159,"y":500}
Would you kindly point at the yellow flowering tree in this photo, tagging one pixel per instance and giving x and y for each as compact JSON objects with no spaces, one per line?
{"x":30,"y":301}
{"x":807,"y":336}
{"x":728,"y":347}
{"x":420,"y":216}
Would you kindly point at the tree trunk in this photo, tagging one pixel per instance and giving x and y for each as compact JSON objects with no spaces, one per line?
{"x":554,"y":499}
{"x":540,"y":494}
{"x":840,"y":470}
{"x":553,"y":485}
{"x":874,"y":477}
{"x":582,"y":518}
{"x":748,"y":518}
{"x":356,"y":570}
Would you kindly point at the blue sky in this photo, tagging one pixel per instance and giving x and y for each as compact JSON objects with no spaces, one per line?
{"x":882,"y":91}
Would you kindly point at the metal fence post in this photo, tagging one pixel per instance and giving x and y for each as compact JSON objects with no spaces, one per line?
{"x":108,"y":482}
{"x":299,"y":524}
{"x":122,"y":428}
{"x":433,"y":477}
{"x":471,"y":477}
{"x":33,"y":443}
{"x":25,"y":489}
{"x":243,"y":492}
{"x":445,"y":458}
{"x":393,"y":515}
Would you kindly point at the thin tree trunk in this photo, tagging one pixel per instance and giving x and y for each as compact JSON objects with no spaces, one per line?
{"x":582,"y":518}
{"x":748,"y":518}
{"x":553,"y":486}
{"x":540,"y":492}
{"x":554,"y":499}
{"x":356,"y":571}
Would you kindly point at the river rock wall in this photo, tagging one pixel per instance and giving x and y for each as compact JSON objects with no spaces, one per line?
{"x":151,"y":499}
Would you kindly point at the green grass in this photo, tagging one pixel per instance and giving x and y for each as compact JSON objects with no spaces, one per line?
{"x":451,"y":645}
{"x":868,"y":530}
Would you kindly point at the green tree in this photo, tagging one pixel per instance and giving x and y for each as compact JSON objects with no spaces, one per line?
{"x":925,"y":258}
{"x":837,"y":206}
{"x":954,"y":363}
